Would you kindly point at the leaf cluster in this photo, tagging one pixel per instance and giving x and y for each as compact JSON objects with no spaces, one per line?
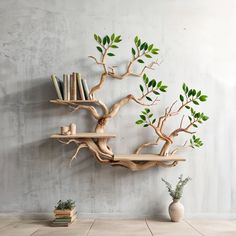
{"x":107,"y":42}
{"x":151,"y":87}
{"x":65,"y":205}
{"x":192,"y":95}
{"x":177,"y":193}
{"x":199,"y":117}
{"x":146,"y":118}
{"x":148,"y":50}
{"x":195,"y":142}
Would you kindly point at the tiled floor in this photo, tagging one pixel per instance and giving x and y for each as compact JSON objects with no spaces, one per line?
{"x":99,"y":227}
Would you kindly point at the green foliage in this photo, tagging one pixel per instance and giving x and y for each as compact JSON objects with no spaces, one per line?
{"x":146,"y":49}
{"x":192,"y":95}
{"x":178,"y":191}
{"x":197,"y":117}
{"x":151,"y":89}
{"x":65,"y":205}
{"x":107,"y":42}
{"x":146,"y":118}
{"x":195,"y":142}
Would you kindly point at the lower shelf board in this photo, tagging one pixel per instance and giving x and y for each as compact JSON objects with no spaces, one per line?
{"x":83,"y":135}
{"x":147,"y":157}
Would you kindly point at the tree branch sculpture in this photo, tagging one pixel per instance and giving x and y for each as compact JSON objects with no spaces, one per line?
{"x":150,"y":90}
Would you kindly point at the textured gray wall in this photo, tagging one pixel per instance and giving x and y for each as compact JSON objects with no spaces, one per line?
{"x":38,"y":38}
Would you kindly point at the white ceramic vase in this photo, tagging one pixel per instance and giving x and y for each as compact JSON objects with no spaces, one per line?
{"x":176,"y":211}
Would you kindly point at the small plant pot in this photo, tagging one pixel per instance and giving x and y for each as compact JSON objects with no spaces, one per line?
{"x":176,"y":211}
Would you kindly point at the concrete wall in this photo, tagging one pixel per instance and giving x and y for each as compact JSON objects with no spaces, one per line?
{"x":38,"y":38}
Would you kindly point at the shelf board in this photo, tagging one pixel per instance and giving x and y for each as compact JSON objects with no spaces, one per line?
{"x":146,"y":157}
{"x":83,"y":135}
{"x":63,"y":102}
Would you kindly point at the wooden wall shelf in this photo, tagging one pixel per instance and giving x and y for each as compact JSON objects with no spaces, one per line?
{"x":146,"y":157}
{"x":83,"y":135}
{"x":64,"y":102}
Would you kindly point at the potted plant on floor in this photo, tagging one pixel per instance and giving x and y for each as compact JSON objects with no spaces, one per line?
{"x":176,"y":209}
{"x":65,"y":213}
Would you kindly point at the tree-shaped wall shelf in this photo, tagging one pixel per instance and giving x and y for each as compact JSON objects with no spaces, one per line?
{"x":97,"y":142}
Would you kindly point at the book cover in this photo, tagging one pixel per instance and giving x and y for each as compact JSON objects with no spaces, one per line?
{"x":73,"y":87}
{"x":80,"y":86}
{"x":65,"y":212}
{"x":61,"y":86}
{"x":86,"y":89}
{"x":68,"y":86}
{"x":57,"y":87}
{"x":65,"y":87}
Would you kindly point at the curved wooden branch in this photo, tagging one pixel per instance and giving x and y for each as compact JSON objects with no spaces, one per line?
{"x":144,"y":145}
{"x":143,"y":166}
{"x":82,"y":145}
{"x":91,"y":109}
{"x":99,"y":85}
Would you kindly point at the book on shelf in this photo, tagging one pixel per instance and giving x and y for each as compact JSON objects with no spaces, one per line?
{"x":58,"y":86}
{"x":86,"y":90}
{"x":73,"y":87}
{"x":65,"y":212}
{"x":80,"y":86}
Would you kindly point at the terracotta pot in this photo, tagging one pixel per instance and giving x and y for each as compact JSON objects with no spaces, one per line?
{"x":176,"y":211}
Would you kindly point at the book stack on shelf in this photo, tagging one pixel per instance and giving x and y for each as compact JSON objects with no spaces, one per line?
{"x":72,"y":88}
{"x":63,"y":218}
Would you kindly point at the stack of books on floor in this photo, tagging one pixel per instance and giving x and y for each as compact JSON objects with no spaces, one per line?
{"x":63,"y":218}
{"x":72,"y":88}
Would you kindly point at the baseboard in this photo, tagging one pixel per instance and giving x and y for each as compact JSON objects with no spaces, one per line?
{"x":49,"y":216}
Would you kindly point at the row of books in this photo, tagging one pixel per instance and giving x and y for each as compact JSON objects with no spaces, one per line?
{"x":73,"y":87}
{"x":63,"y":218}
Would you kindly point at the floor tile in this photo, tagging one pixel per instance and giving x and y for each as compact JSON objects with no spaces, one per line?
{"x":215,"y":227}
{"x":168,"y":228}
{"x":119,"y":228}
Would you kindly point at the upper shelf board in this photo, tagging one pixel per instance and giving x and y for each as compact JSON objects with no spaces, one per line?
{"x":83,"y":135}
{"x":58,"y":101}
{"x":147,"y":157}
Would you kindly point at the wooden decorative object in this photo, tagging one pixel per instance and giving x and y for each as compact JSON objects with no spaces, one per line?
{"x":97,"y":142}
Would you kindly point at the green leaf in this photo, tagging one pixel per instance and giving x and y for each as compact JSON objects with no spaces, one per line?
{"x":112,"y":37}
{"x":99,"y":49}
{"x":188,"y":107}
{"x":190,"y":118}
{"x":104,"y":41}
{"x":154,"y":51}
{"x":136,"y":40}
{"x":194,"y":125}
{"x":195,"y":102}
{"x":147,"y":110}
{"x":145,"y":46}
{"x":95,"y":37}
{"x":203,"y":98}
{"x":199,"y":93}
{"x":142,"y":117}
{"x":184,"y":87}
{"x":138,"y":122}
{"x":99,"y":39}
{"x":108,"y":39}
{"x":150,"y":84}
{"x":190,"y":92}
{"x":133,"y":51}
{"x":146,"y":125}
{"x":114,"y":46}
{"x":194,"y":92}
{"x":140,"y":61}
{"x":110,"y":54}
{"x":117,"y":39}
{"x":148,"y":98}
{"x":154,"y":83}
{"x":163,"y":88}
{"x":204,"y":118}
{"x":138,"y":43}
{"x":150,"y":47}
{"x":142,"y":46}
{"x":156,"y":93}
{"x":181,"y":97}
{"x":147,"y":56}
{"x":159,"y":84}
{"x":154,"y":120}
{"x":141,"y":88}
{"x":144,"y":112}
